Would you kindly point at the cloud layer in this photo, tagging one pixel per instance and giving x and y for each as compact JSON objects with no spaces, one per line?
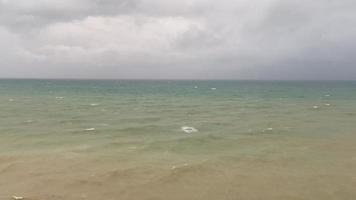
{"x":188,"y":39}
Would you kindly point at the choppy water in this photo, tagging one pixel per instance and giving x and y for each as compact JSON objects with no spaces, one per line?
{"x":123,"y":139}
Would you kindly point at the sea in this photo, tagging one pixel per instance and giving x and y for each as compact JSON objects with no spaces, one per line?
{"x":177,"y":140}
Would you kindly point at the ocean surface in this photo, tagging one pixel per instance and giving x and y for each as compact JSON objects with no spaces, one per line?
{"x":138,"y":140}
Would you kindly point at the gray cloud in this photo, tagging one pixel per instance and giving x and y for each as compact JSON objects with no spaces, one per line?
{"x":263,"y":39}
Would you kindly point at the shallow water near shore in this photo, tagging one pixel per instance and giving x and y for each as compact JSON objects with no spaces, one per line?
{"x":66,"y":139}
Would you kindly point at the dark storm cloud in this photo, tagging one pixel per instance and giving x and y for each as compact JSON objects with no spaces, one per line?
{"x":242,"y":39}
{"x":28,"y":14}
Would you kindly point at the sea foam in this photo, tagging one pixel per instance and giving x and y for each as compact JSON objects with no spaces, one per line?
{"x":188,"y":129}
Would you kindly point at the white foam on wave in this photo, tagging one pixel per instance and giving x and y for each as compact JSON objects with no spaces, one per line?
{"x":59,"y":97}
{"x":188,"y":129}
{"x":213,"y":88}
{"x":267,"y":129}
{"x":11,"y":100}
{"x":174,"y":167}
{"x":315,"y":107}
{"x":94,"y":104}
{"x":90,"y":129}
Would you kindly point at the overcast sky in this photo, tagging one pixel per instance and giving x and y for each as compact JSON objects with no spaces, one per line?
{"x":178,"y":39}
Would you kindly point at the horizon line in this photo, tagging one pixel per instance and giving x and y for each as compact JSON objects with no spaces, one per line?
{"x":164,"y":79}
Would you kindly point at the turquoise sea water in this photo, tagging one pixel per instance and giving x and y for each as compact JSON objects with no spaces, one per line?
{"x":255,"y":139}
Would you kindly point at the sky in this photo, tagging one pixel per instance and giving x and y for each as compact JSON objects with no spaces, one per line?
{"x":178,"y":39}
